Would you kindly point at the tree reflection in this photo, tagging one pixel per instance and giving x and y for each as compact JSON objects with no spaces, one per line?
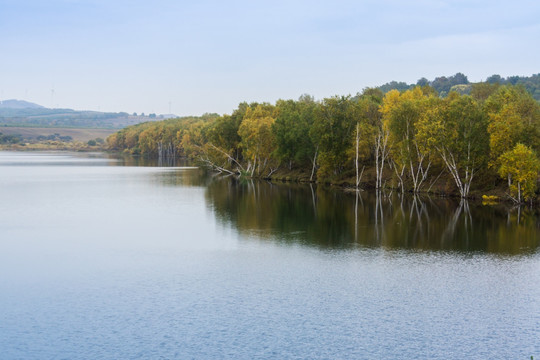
{"x":332,"y":218}
{"x":450,"y":231}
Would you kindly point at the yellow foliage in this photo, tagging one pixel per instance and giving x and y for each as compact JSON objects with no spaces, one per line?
{"x":521,"y":167}
{"x":504,"y":129}
{"x":258,"y":139}
{"x":490,"y":200}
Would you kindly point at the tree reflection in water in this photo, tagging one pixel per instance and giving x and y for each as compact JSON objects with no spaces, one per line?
{"x":326,"y":217}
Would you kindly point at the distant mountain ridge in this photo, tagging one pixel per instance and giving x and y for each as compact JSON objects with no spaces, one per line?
{"x":19,"y":104}
{"x":19,"y":113}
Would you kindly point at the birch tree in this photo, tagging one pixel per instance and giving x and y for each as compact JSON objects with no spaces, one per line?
{"x":514,"y":116}
{"x":401,"y":113}
{"x":457,"y":129}
{"x":520,"y":166}
{"x":335,"y":120}
{"x":258,"y":140}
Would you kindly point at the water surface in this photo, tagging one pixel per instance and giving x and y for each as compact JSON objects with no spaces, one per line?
{"x":112,"y":258}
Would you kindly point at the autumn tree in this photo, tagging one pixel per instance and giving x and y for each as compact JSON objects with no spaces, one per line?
{"x":401,"y":113}
{"x":520,"y":166}
{"x":257,"y":139}
{"x":195,"y":144}
{"x":514,"y":116}
{"x":376,"y":133}
{"x":457,"y":129}
{"x":223,"y":132}
{"x":369,"y":137}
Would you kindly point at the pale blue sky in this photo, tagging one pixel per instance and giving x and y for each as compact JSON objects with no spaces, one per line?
{"x":207,"y":56}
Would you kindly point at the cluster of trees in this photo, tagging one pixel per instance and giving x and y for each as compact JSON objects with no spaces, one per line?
{"x":54,"y":137}
{"x":407,"y":140}
{"x":10,"y":139}
{"x":18,"y":138}
{"x":531,"y":83}
{"x":460,"y":83}
{"x":95,"y":142}
{"x":150,"y":138}
{"x":442,"y":84}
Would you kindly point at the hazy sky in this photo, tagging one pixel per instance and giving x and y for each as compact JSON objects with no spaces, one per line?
{"x":207,"y":56}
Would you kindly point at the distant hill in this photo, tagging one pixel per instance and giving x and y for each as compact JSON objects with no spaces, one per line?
{"x":18,"y":113}
{"x":18,"y":104}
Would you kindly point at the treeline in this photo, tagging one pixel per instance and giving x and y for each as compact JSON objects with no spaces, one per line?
{"x":408,"y":140}
{"x":443,"y":85}
{"x":151,"y":138}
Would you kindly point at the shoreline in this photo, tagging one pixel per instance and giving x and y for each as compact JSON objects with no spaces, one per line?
{"x":494,"y":196}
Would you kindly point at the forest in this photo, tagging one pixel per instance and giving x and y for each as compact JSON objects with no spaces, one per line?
{"x":481,"y":141}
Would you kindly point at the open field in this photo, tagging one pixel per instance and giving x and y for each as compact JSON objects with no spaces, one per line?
{"x":76,"y":134}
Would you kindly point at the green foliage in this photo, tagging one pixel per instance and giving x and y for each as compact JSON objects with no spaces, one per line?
{"x":480,"y":91}
{"x":443,"y":84}
{"x":465,"y":132}
{"x":530,"y":83}
{"x":457,"y":129}
{"x":332,"y":129}
{"x":223,"y":132}
{"x":394,"y":85}
{"x":369,"y":117}
{"x":294,"y":119}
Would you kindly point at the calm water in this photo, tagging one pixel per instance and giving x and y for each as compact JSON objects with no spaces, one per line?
{"x":103,"y":258}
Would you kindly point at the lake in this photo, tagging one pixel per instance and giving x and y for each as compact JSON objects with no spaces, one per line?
{"x":113,"y":258}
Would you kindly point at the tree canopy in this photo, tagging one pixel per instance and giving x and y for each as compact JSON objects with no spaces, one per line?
{"x":409,"y":139}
